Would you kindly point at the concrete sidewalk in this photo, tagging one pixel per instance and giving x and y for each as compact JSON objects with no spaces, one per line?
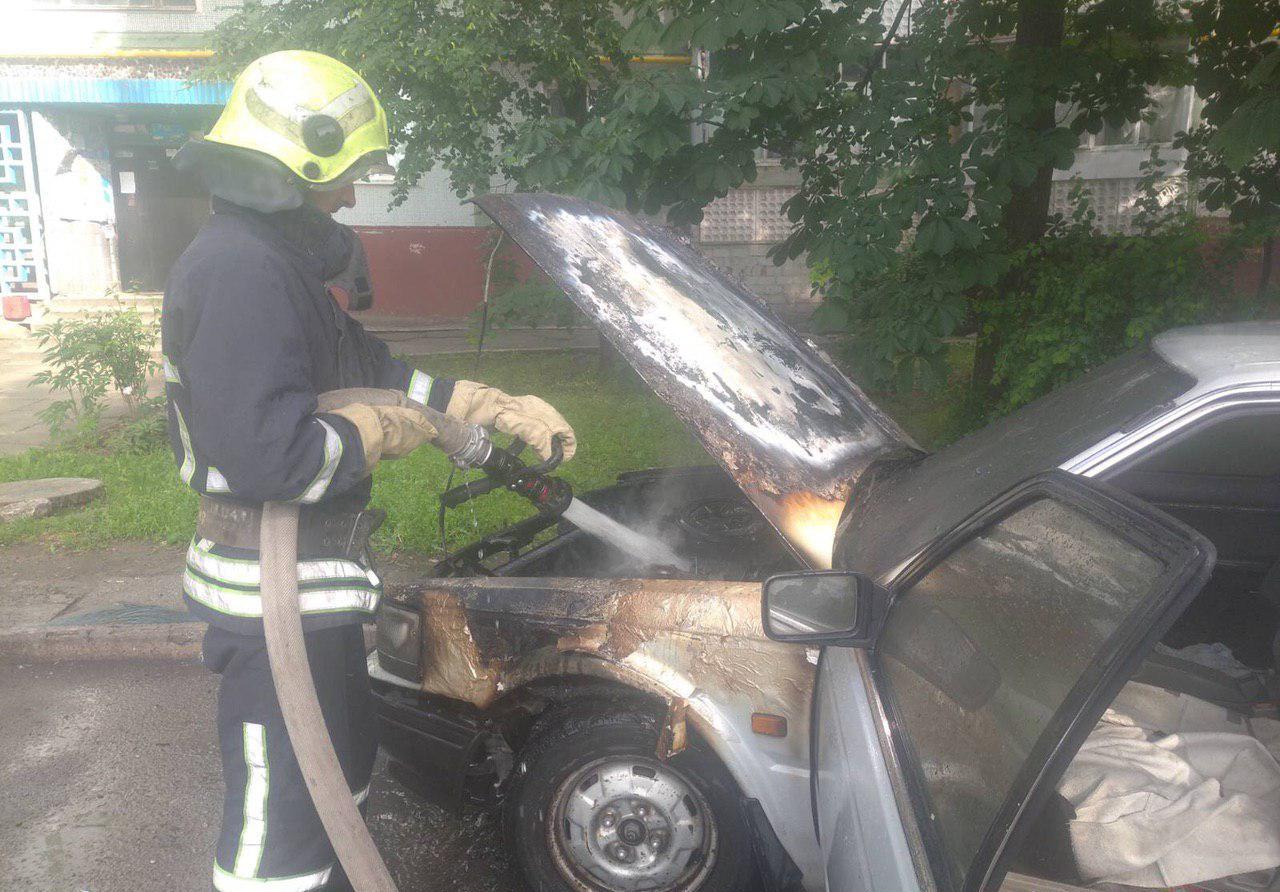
{"x":119,"y":602}
{"x":122,"y":601}
{"x":40,"y":587}
{"x":20,"y":404}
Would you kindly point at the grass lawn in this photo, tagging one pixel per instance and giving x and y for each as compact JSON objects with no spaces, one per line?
{"x":621,"y":426}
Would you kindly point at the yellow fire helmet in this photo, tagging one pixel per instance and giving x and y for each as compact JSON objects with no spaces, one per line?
{"x":311,"y":113}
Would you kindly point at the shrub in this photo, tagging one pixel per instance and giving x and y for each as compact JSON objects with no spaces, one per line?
{"x":86,"y":358}
{"x":1087,"y":296}
{"x":146,"y":431}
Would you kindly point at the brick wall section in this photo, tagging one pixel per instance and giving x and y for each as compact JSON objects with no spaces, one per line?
{"x":738,"y":230}
{"x":786,"y":287}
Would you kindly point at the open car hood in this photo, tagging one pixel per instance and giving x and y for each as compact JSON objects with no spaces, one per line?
{"x":766,"y":403}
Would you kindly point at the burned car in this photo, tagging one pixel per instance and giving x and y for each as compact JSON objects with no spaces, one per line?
{"x":643,"y":732}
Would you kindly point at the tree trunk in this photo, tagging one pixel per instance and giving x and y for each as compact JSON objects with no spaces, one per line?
{"x":1264,"y":268}
{"x":1026,"y":216}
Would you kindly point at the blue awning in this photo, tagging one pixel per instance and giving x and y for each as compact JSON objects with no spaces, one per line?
{"x":106,"y":91}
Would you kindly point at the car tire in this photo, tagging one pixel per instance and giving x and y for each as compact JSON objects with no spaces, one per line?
{"x":694,"y":837}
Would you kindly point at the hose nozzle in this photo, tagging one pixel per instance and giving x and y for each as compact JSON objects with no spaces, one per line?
{"x":503,"y":469}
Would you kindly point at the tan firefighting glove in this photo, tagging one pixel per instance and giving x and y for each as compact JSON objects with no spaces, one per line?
{"x":387,"y":431}
{"x":527,"y":417}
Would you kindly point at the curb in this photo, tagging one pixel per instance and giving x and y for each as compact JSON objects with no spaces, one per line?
{"x":168,"y":641}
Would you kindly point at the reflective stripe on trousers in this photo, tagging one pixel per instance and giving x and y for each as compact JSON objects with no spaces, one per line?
{"x":271,"y":837}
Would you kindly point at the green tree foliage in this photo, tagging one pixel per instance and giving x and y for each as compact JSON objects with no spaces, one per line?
{"x":1235,"y":150}
{"x":925,"y":173}
{"x":1090,"y":295}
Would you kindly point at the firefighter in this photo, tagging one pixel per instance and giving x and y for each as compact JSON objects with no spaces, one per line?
{"x":250,"y":336}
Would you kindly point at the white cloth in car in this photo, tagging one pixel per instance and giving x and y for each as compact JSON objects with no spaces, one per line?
{"x":1170,"y":790}
{"x":1215,"y":655}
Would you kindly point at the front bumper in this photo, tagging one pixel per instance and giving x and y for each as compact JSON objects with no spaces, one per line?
{"x":433,"y":743}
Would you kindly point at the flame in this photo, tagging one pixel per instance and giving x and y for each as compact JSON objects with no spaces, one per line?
{"x":809,"y":523}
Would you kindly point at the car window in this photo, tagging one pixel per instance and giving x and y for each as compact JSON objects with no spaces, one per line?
{"x":979,"y":654}
{"x":1236,"y":443}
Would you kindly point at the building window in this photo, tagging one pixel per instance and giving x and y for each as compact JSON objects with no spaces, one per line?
{"x":113,"y":4}
{"x":1168,"y":115}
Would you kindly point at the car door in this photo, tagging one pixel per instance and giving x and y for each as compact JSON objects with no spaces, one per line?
{"x":1005,"y":641}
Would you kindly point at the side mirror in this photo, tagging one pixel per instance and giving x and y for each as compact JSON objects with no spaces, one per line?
{"x":831,"y":607}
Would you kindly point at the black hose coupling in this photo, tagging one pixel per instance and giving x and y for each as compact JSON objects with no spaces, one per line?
{"x":503,"y":469}
{"x":550,"y":495}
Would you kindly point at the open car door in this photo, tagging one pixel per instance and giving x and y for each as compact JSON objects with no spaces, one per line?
{"x":1005,"y":641}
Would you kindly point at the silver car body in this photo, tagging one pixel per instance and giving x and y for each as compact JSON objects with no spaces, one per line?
{"x":1233,"y":366}
{"x":711,"y":639}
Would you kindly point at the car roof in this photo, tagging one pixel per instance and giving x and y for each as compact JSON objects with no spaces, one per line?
{"x":1227,"y":353}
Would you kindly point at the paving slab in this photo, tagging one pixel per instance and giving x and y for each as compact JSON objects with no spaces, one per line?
{"x":46,"y":495}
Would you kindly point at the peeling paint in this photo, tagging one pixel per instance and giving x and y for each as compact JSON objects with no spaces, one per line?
{"x":764,"y":401}
{"x":674,"y":735}
{"x":451,"y":661}
{"x":679,"y":639}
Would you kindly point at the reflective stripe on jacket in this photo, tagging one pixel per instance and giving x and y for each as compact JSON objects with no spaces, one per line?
{"x":250,"y":337}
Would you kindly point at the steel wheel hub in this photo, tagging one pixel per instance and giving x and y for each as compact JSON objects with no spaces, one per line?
{"x":631,"y":825}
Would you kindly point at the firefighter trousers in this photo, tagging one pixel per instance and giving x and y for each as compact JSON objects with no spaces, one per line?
{"x":272,"y":839}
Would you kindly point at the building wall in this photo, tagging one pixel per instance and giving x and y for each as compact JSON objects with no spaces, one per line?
{"x":70,"y":29}
{"x":430,"y":202}
{"x":427,"y":254}
{"x":432,"y":273}
{"x":738,"y":230}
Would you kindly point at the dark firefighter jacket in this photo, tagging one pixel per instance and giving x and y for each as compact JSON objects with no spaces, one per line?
{"x":250,"y":336}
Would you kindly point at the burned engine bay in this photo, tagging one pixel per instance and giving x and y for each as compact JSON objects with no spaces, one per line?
{"x":700,"y":512}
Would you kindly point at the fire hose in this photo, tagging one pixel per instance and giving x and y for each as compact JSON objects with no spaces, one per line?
{"x":468,"y":446}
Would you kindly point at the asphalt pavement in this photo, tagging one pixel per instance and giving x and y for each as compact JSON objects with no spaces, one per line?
{"x":110,"y":783}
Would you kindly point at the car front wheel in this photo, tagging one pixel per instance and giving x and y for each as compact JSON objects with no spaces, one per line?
{"x":591,"y":809}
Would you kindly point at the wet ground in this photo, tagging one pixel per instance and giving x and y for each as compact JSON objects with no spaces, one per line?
{"x":110,"y":783}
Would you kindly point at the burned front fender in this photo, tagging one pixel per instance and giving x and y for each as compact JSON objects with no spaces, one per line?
{"x":697,"y":644}
{"x":482,"y":637}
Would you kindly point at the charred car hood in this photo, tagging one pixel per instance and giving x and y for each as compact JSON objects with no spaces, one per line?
{"x":766,"y":403}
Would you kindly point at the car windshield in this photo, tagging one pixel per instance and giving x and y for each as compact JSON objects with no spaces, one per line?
{"x":912,"y":506}
{"x":980,"y":653}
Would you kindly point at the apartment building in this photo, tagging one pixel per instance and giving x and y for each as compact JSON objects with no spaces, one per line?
{"x":96,"y":97}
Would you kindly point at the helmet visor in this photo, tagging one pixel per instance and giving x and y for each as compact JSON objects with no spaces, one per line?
{"x":366,"y":165}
